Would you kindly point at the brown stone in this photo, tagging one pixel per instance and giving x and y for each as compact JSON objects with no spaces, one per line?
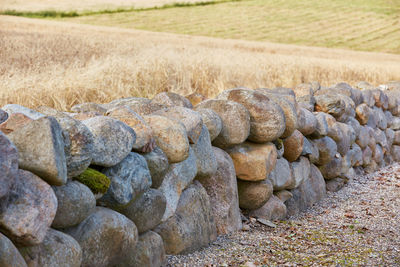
{"x":293,"y":146}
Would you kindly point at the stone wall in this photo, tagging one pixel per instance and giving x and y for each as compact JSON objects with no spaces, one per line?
{"x":125,"y":183}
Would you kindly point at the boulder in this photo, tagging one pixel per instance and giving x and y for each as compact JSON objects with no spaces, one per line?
{"x":367,"y":156}
{"x":170,"y":136}
{"x":381,"y":99}
{"x":395,"y":151}
{"x":368,"y":98}
{"x":29,"y":211}
{"x":267,"y":119}
{"x":105,"y":237}
{"x":396,"y":140}
{"x":390,"y":134}
{"x":170,"y":99}
{"x":235,"y":121}
{"x":223,"y":193}
{"x":14,"y":108}
{"x":253,"y":195}
{"x":85,"y":115}
{"x":363,"y":138}
{"x":363,"y":85}
{"x":321,"y":129}
{"x":380,"y":118}
{"x":395,"y":124}
{"x":253,"y":162}
{"x":332,"y":169}
{"x":293,"y":146}
{"x":354,"y":124}
{"x":191,"y":120}
{"x":308,"y":193}
{"x":149,"y":251}
{"x":178,"y":177}
{"x":13,"y":122}
{"x":89,"y":107}
{"x":3,"y":116}
{"x":349,"y":137}
{"x":327,"y":149}
{"x":283,"y":195}
{"x":212,"y":121}
{"x":281,"y":176}
{"x":205,"y":157}
{"x":147,"y":210}
{"x":129,"y":178}
{"x":389,"y":118}
{"x":78,"y":151}
{"x":332,"y":104}
{"x":40,"y":145}
{"x":75,"y":203}
{"x":144,"y":134}
{"x":273,"y":209}
{"x":113,"y":140}
{"x":192,"y":226}
{"x":141,"y":106}
{"x":8,"y":165}
{"x":380,"y":138}
{"x":307,"y":123}
{"x":305,"y":96}
{"x":335,"y":185}
{"x":377,"y":154}
{"x":9,"y":254}
{"x":195,"y":98}
{"x":301,"y":171}
{"x":314,"y":156}
{"x":157,"y":162}
{"x":57,"y":249}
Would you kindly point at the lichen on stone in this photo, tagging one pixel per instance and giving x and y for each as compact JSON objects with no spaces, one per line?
{"x":95,"y":180}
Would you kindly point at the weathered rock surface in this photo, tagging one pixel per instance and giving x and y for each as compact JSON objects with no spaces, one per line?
{"x":367,"y":156}
{"x":253,"y":195}
{"x":149,"y":251}
{"x":267,"y":119}
{"x":281,"y":176}
{"x":333,"y":168}
{"x":308,"y":193}
{"x":191,"y":119}
{"x":13,"y":122}
{"x":30,"y":210}
{"x":253,"y":162}
{"x":301,"y":171}
{"x":57,"y":249}
{"x":105,"y":237}
{"x":141,"y":106}
{"x":157,"y":162}
{"x":205,"y":157}
{"x":113,"y":140}
{"x":75,"y":203}
{"x":293,"y":146}
{"x":331,"y":104}
{"x":3,"y":116}
{"x":305,"y":96}
{"x":14,"y":108}
{"x":335,"y":184}
{"x":327,"y":149}
{"x":89,"y":107}
{"x":235,"y":121}
{"x":192,"y":226}
{"x":40,"y":145}
{"x":144,"y":134}
{"x":395,"y":151}
{"x":223,"y":193}
{"x":212,"y":121}
{"x":273,"y":209}
{"x":363,"y":138}
{"x":147,"y":210}
{"x":307,"y":123}
{"x":170,"y":136}
{"x":322,"y":128}
{"x":129,"y":178}
{"x":195,"y":98}
{"x":9,"y":254}
{"x":170,"y":99}
{"x":8,"y":165}
{"x":178,"y":177}
{"x":395,"y":124}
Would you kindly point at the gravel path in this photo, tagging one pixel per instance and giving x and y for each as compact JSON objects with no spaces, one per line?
{"x":359,"y":225}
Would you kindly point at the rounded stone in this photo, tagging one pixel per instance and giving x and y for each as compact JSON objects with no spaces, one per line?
{"x":327,"y":149}
{"x":307,"y":123}
{"x":170,"y":99}
{"x":293,"y":146}
{"x":253,"y":195}
{"x":212,"y":121}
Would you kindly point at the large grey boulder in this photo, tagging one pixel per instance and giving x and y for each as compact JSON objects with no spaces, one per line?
{"x":205,"y":157}
{"x":30,"y":210}
{"x":178,"y":177}
{"x":9,"y":254}
{"x":211,"y":120}
{"x":171,"y":99}
{"x":147,"y":210}
{"x":192,"y":226}
{"x":307,"y":123}
{"x":191,"y":120}
{"x":170,"y":136}
{"x":157,"y":162}
{"x":380,"y":118}
{"x":267,"y":119}
{"x":105,"y":237}
{"x":235,"y":121}
{"x":75,"y":203}
{"x":327,"y":149}
{"x":253,"y":162}
{"x":273,"y":209}
{"x":149,"y":251}
{"x":363,"y":137}
{"x":78,"y":151}
{"x":15,"y":108}
{"x":223,"y":193}
{"x":301,"y":171}
{"x":40,"y":145}
{"x":113,"y":140}
{"x":333,"y":168}
{"x":129,"y":178}
{"x":281,"y":176}
{"x":321,"y":128}
{"x":57,"y":249}
{"x":253,"y":195}
{"x":8,"y":165}
{"x":308,"y":193}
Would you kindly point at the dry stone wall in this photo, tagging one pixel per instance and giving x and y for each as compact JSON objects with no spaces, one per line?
{"x":128,"y":182}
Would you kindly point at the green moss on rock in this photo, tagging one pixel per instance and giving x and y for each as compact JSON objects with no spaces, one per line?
{"x":95,"y":180}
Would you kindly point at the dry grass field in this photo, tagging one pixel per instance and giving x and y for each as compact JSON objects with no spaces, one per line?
{"x":60,"y":64}
{"x":368,"y":25}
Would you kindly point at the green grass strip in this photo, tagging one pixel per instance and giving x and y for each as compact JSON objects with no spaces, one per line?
{"x":69,"y":14}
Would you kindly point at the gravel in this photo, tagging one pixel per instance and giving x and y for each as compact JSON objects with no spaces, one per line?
{"x":359,"y":225}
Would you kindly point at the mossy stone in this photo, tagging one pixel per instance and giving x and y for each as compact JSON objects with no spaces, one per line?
{"x":95,"y":180}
